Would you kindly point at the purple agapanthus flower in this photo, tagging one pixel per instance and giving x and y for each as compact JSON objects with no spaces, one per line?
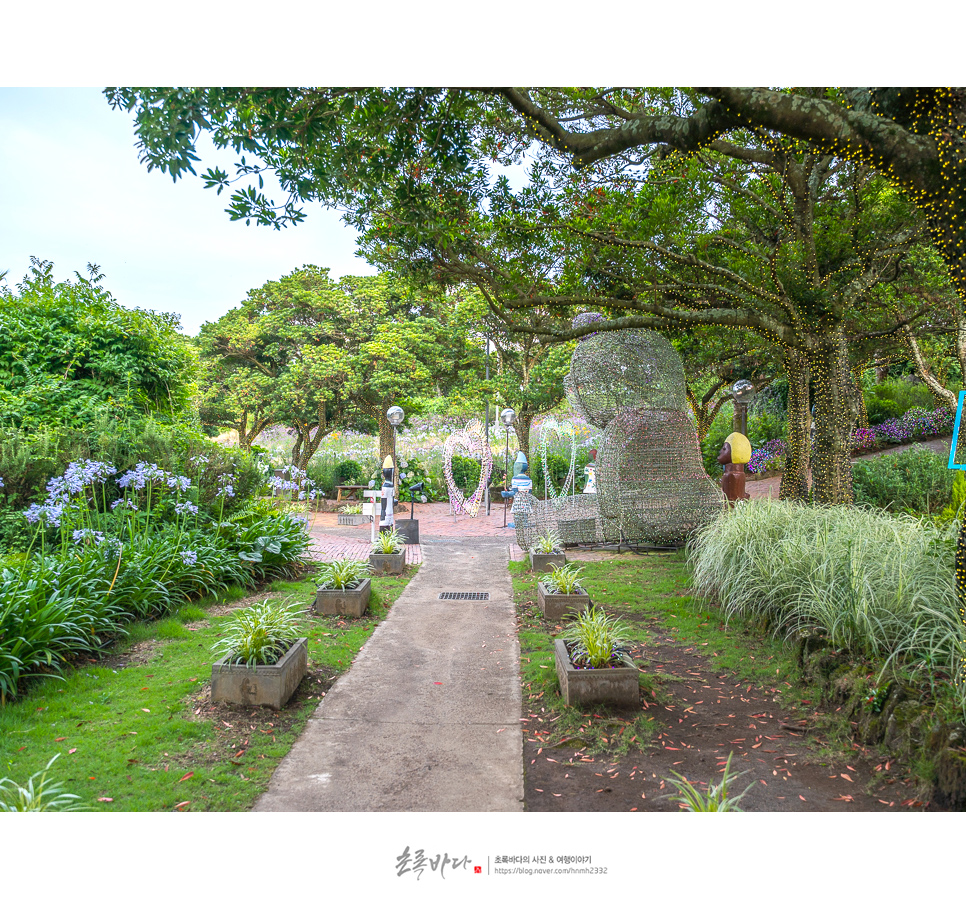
{"x":189,"y":557}
{"x":50,"y":513}
{"x":77,"y":477}
{"x":141,"y":475}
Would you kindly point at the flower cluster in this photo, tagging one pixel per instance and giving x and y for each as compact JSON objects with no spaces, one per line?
{"x":141,"y":475}
{"x":765,"y":457}
{"x":60,"y":489}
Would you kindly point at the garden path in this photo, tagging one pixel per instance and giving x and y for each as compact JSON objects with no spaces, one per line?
{"x":428,"y":716}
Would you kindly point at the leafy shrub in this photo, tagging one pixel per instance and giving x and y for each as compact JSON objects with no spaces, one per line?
{"x":766,"y":426}
{"x":348,"y":472}
{"x":914,"y":480}
{"x":322,"y":471}
{"x":411,"y":471}
{"x":466,"y":473}
{"x":902,"y":394}
{"x":881,"y":410}
{"x":721,"y":427}
{"x":558,"y":467}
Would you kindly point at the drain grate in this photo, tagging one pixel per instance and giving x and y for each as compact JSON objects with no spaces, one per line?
{"x":464,"y":596}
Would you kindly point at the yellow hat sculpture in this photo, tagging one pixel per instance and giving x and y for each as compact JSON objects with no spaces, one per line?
{"x":740,"y":447}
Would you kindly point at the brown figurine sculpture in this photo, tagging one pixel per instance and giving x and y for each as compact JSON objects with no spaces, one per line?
{"x":734,"y":455}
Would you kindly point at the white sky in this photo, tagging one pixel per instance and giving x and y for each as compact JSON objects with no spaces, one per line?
{"x":72,"y":191}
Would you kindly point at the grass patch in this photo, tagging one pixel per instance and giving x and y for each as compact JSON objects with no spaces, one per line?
{"x":651,"y":593}
{"x":136,"y":732}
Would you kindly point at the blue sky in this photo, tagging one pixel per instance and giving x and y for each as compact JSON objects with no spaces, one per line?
{"x":72,"y":191}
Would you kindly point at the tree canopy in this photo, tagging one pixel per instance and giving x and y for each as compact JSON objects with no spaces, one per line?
{"x":627,"y":207}
{"x":308,"y":351}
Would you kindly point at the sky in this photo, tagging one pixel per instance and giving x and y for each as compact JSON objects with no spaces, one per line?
{"x":72,"y":192}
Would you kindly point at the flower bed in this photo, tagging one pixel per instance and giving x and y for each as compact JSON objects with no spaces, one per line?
{"x":915,"y":425}
{"x":95,"y":563}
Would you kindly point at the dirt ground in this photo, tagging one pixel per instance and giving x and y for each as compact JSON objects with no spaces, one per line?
{"x":710,"y":715}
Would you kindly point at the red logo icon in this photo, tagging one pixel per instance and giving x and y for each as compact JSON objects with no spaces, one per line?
{"x":477,"y":870}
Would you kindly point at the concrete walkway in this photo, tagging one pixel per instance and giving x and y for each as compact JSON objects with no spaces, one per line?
{"x":428,"y":716}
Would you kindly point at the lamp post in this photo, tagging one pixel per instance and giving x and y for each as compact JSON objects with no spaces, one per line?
{"x":395,"y":415}
{"x":743,"y":391}
{"x":508,"y":417}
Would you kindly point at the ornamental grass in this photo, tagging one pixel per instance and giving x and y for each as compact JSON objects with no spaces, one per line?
{"x":875,"y":584}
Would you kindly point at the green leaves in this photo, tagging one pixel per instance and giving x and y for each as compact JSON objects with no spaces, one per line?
{"x":260,"y":634}
{"x":68,"y":351}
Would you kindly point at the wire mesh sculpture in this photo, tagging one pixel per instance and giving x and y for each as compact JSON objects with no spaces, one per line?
{"x":473,"y":444}
{"x":651,"y":483}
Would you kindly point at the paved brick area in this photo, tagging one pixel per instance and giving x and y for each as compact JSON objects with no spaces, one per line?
{"x":437,"y":523}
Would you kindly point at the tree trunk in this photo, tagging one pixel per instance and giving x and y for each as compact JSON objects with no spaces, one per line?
{"x":387,"y":440}
{"x":836,"y":401}
{"x":705,"y":411}
{"x":246,"y":435}
{"x":941,"y":393}
{"x":863,"y":418}
{"x":794,"y":484}
{"x":522,"y":427}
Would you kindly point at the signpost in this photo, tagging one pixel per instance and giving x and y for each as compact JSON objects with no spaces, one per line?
{"x":374,"y":496}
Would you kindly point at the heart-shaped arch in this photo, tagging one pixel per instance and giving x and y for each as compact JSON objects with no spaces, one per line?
{"x":548,"y":427}
{"x":472,"y":441}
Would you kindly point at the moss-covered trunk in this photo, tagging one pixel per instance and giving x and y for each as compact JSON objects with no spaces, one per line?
{"x":521,"y":426}
{"x":794,"y":484}
{"x":836,"y":412}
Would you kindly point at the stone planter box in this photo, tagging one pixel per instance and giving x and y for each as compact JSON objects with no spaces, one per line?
{"x":557,"y":606}
{"x":354,"y":520}
{"x":388,"y":563}
{"x":352,"y":602}
{"x":543,"y":562}
{"x":617,"y":687}
{"x":264,"y":685}
{"x":409,"y":529}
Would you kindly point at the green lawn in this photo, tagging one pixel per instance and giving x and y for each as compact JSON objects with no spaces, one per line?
{"x":135,"y":731}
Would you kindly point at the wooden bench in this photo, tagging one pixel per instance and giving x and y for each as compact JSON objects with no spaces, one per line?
{"x":349,"y":490}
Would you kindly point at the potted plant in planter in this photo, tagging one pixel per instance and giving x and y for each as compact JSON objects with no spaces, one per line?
{"x":352,"y":516}
{"x":264,"y":660}
{"x":547,"y":552}
{"x":559,"y":592}
{"x":387,"y":554}
{"x":593,"y":666}
{"x":343,"y":588}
